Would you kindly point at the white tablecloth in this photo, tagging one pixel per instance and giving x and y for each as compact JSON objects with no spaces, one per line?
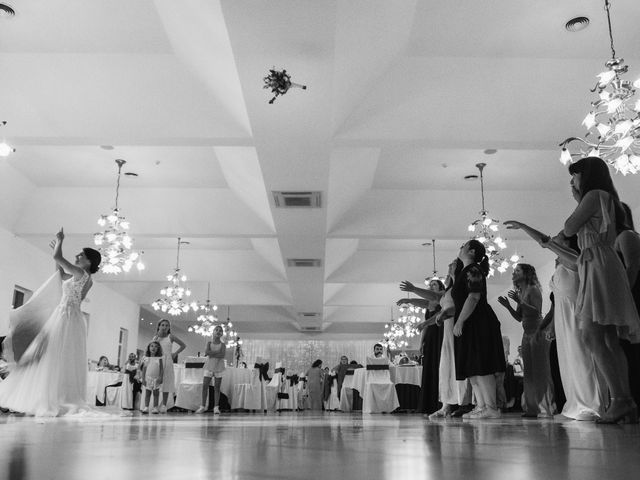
{"x":399,"y":375}
{"x":406,"y":375}
{"x":96,"y":383}
{"x":231,"y":377}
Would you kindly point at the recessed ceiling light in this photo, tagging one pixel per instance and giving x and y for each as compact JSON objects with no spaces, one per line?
{"x":106,"y":147}
{"x":490,"y":151}
{"x":470,"y":178}
{"x":576,"y":24}
{"x":6,"y":10}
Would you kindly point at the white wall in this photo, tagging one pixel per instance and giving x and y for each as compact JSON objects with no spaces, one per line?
{"x":27,"y":266}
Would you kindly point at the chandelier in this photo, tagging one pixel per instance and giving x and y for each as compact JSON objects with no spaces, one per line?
{"x":279,"y":82}
{"x":207,"y":320}
{"x":172,"y":301}
{"x":398,"y":332}
{"x":114,"y":242}
{"x":233,"y":339}
{"x":435,"y":275}
{"x":485,"y":229}
{"x":5,"y":148}
{"x":613,"y":124}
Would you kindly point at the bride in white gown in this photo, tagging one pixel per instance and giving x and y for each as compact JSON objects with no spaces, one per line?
{"x":50,"y":348}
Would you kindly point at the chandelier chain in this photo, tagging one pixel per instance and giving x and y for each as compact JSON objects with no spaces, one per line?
{"x":607,"y":6}
{"x":120,"y":163}
{"x":433,"y":243}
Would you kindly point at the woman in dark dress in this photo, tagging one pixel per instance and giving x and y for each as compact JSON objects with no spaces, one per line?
{"x":478,"y":345}
{"x":628,"y":247}
{"x":430,"y":341}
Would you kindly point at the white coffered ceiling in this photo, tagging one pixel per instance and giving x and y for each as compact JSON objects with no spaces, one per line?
{"x":404,"y":96}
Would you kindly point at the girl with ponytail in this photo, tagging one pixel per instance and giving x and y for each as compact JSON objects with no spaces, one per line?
{"x":479,"y":353}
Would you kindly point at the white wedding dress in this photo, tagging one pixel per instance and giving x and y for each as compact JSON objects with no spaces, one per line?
{"x":50,"y":376}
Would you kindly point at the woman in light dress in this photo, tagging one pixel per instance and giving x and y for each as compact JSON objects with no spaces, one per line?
{"x":50,"y":377}
{"x":166,"y":340}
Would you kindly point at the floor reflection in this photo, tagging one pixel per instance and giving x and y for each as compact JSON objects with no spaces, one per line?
{"x":310,"y":446}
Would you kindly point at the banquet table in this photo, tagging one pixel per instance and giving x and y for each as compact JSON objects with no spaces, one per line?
{"x":96,"y":385}
{"x":191,"y":381}
{"x":407,"y":380}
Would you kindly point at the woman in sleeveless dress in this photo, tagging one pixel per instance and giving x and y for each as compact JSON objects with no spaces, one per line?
{"x":583,"y":385}
{"x":166,"y":340}
{"x":527,"y":295}
{"x":50,"y":377}
{"x":604,"y":306}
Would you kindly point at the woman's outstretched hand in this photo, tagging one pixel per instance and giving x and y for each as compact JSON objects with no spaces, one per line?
{"x":60,"y":235}
{"x":512,"y":224}
{"x":407,"y":286}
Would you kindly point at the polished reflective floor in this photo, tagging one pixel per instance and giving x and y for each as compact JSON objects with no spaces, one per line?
{"x":331,"y":446}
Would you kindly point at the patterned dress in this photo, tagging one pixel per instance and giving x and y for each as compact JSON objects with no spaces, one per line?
{"x":479,"y":350}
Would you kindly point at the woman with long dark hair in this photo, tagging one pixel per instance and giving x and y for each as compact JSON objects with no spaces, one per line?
{"x":604,"y":306}
{"x":527,"y":295}
{"x":479,"y":353}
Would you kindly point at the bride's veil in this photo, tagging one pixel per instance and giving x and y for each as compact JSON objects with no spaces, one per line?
{"x":27,"y":321}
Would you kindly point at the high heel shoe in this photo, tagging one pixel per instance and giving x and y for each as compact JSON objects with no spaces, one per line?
{"x":624,"y":414}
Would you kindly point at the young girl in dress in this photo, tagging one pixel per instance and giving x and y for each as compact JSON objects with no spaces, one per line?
{"x":166,"y":340}
{"x":50,"y":377}
{"x":152,"y":373}
{"x":216,"y":351}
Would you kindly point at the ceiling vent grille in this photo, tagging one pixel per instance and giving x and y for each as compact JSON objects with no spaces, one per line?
{"x":303,"y":262}
{"x":297,"y":199}
{"x":308,"y":314}
{"x":311,"y":329}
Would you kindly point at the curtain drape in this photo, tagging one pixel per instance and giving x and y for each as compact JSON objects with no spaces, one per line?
{"x":298,"y":355}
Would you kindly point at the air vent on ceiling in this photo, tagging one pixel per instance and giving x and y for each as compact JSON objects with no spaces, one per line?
{"x":297,"y":199}
{"x":303,"y":262}
{"x":310,"y":329}
{"x":308,"y":314}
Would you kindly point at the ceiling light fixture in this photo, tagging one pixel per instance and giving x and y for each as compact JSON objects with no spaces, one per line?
{"x":435,"y":275}
{"x":114,"y":242}
{"x":397,"y":334}
{"x":207,"y":320}
{"x":5,"y":148}
{"x":172,"y":301}
{"x":279,"y":82}
{"x":486,"y":230}
{"x":613,"y":124}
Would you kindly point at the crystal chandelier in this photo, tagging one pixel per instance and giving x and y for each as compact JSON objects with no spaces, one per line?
{"x":114,"y":242}
{"x":613,"y":124}
{"x":233,"y":339}
{"x":207,"y":320}
{"x":5,"y":148}
{"x":485,"y":229}
{"x":172,"y":301}
{"x":435,"y":275}
{"x":398,"y":332}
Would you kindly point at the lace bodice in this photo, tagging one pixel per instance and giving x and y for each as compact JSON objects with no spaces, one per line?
{"x":72,"y":290}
